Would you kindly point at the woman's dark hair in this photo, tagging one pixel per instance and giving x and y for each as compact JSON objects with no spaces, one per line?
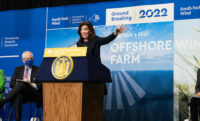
{"x":91,"y":28}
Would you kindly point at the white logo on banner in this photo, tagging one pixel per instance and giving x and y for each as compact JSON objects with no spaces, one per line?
{"x":140,"y":14}
{"x":94,"y":18}
{"x":10,"y":41}
{"x":58,"y":20}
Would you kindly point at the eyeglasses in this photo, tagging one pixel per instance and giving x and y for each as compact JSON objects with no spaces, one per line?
{"x":28,"y":58}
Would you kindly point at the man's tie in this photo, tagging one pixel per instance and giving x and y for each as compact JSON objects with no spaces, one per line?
{"x":26,"y":73}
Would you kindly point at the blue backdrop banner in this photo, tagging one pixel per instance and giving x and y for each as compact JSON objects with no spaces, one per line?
{"x":20,"y":31}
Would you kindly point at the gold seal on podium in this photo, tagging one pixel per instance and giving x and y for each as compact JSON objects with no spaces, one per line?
{"x":62,"y":67}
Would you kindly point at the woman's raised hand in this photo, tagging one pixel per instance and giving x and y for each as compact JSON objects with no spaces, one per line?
{"x":120,"y":29}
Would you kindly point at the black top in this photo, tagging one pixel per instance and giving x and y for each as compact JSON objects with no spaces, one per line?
{"x":197,"y":88}
{"x":93,"y":46}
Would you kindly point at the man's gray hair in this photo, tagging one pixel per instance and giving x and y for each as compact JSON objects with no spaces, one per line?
{"x":23,"y":54}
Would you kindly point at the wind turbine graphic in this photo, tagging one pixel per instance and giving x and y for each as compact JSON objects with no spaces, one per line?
{"x":123,"y":79}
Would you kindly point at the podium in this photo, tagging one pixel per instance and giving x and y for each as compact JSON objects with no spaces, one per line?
{"x":79,"y":97}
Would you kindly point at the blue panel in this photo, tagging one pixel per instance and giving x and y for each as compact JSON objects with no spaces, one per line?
{"x":21,"y":30}
{"x":187,"y":9}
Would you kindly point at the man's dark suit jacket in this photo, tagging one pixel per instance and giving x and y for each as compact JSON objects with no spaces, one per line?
{"x":197,"y":88}
{"x":19,"y":73}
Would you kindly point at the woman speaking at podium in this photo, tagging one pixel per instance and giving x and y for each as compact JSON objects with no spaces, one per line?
{"x":93,"y":43}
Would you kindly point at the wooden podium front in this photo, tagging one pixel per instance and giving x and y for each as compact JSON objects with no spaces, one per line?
{"x":73,"y":101}
{"x":62,"y":101}
{"x":79,"y":97}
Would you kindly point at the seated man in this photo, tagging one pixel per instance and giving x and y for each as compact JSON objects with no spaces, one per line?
{"x":195,"y":101}
{"x":2,"y":83}
{"x":24,"y":86}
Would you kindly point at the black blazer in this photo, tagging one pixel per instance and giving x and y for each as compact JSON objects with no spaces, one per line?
{"x":19,"y":73}
{"x":197,"y":88}
{"x":93,"y":46}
